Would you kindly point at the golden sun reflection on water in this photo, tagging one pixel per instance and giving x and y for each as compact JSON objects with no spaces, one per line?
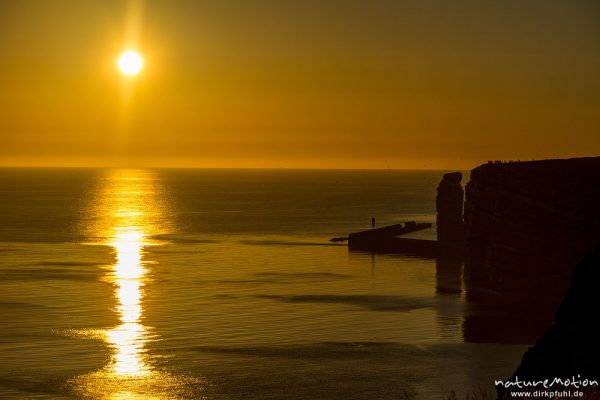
{"x":128,"y":339}
{"x":129,"y":214}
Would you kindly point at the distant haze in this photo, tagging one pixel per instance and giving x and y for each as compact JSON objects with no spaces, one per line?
{"x":298,"y":84}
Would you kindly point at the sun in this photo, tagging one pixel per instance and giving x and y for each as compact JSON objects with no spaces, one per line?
{"x":130,"y":63}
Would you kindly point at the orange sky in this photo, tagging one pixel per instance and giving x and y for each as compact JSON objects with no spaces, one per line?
{"x":299,"y":84}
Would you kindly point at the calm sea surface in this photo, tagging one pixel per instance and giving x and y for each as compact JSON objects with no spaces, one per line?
{"x":222,"y":284}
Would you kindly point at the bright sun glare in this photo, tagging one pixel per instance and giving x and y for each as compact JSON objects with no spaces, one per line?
{"x":130,"y":63}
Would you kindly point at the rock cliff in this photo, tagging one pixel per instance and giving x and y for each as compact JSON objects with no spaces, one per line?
{"x":570,"y":347}
{"x":528,"y":224}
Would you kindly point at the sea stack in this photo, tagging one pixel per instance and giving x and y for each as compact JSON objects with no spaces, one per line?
{"x":449,"y":205}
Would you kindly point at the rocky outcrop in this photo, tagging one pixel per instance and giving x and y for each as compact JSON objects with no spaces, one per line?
{"x":450,"y":234}
{"x":570,"y":348}
{"x":449,"y":205}
{"x":528,"y":224}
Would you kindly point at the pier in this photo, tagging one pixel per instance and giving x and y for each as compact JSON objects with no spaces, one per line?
{"x":385,"y":239}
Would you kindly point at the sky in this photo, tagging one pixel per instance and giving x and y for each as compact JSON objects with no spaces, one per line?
{"x":298,"y":84}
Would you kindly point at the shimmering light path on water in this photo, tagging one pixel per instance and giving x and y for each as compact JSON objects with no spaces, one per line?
{"x":129,"y":212}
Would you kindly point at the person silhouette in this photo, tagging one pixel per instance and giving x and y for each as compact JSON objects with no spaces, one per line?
{"x":373,"y":222}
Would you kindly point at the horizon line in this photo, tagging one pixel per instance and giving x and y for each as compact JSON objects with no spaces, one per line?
{"x":231,"y":168}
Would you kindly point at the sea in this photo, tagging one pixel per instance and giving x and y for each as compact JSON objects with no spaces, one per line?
{"x":223,"y":284}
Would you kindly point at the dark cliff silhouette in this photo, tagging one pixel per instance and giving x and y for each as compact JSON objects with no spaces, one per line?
{"x":571,"y":347}
{"x":528,"y":224}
